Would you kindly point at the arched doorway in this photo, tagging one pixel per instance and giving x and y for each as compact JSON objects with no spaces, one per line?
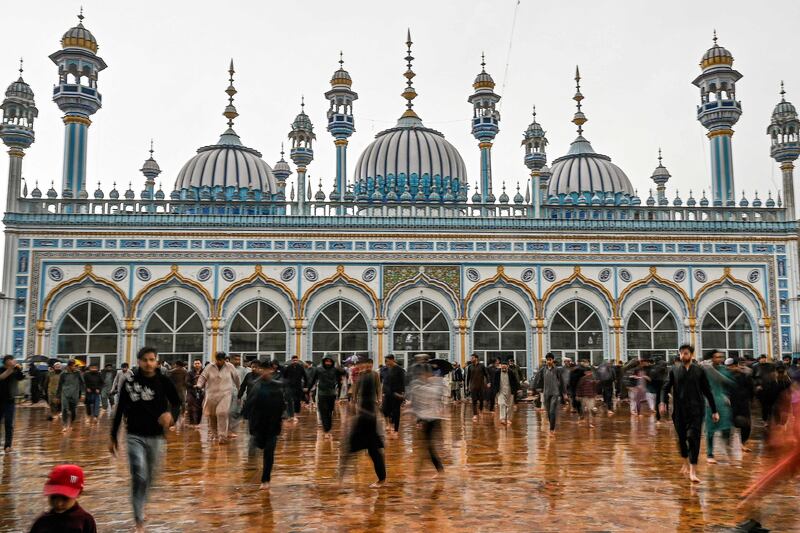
{"x":258,"y":331}
{"x":176,"y":330}
{"x":340,"y":330}
{"x":726,"y":327}
{"x":420,"y":327}
{"x":89,"y":333}
{"x":651,"y":332}
{"x":576,"y":331}
{"x":499,"y":331}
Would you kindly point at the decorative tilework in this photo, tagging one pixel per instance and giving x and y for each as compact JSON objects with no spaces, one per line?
{"x":519,"y":246}
{"x":129,"y":243}
{"x":237,"y":245}
{"x":218,"y":245}
{"x":90,"y":243}
{"x":67,"y":243}
{"x":707,"y":248}
{"x":340,"y":245}
{"x":652,"y":247}
{"x":744,"y":248}
{"x":394,"y":274}
{"x":669,"y":247}
{"x":594,"y":246}
{"x":783,"y":284}
{"x":382,"y":246}
{"x":299,"y":245}
{"x":19,"y":321}
{"x":361,"y":245}
{"x":24,"y":243}
{"x":259,"y":245}
{"x":173,"y":244}
{"x":427,"y":246}
{"x":557,"y":247}
{"x":21,"y":299}
{"x":441,"y":246}
{"x":22,"y":280}
{"x":153,"y":243}
{"x":763,"y":248}
{"x":726,"y":248}
{"x":22,"y":261}
{"x":633,"y":247}
{"x":19,"y":342}
{"x":781,"y":266}
{"x":480,"y":246}
{"x":613,"y":247}
{"x":196,"y":244}
{"x":369,"y":274}
{"x":538,"y":246}
{"x":781,"y":249}
{"x":576,"y":247}
{"x":500,"y":246}
{"x":319,"y":245}
{"x":45,"y":243}
{"x":689,"y":248}
{"x":462,"y":246}
{"x":399,"y":246}
{"x":111,"y":243}
{"x":449,"y":275}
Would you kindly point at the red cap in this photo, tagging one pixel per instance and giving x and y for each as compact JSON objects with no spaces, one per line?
{"x":64,"y":480}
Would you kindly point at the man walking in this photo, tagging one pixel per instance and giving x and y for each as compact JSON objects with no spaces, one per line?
{"x":294,"y":379}
{"x":394,"y":390}
{"x":236,"y":405}
{"x":327,"y":378}
{"x":94,"y":386}
{"x":149,"y":403}
{"x":119,"y":379}
{"x":264,"y":408}
{"x":689,"y":385}
{"x":53,"y":398}
{"x":549,"y":382}
{"x":178,"y":376}
{"x":194,"y":394}
{"x":219,"y":380}
{"x":10,"y":375}
{"x":108,"y":382}
{"x":70,"y":389}
{"x":456,"y":382}
{"x":477,"y":381}
{"x":506,"y":384}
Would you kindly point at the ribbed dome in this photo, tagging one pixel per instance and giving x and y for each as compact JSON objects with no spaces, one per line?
{"x":582,"y":173}
{"x":783,"y":111}
{"x":228,"y":166}
{"x":341,"y":77}
{"x":79,"y":37}
{"x":410,"y":149}
{"x":20,"y":89}
{"x":716,"y":55}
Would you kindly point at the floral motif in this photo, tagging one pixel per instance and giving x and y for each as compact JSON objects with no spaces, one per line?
{"x":143,"y":274}
{"x":204,"y":274}
{"x":287,"y":274}
{"x":700,"y":276}
{"x":754,"y":276}
{"x":679,"y":275}
{"x":604,"y":275}
{"x":311,"y":275}
{"x":119,"y":274}
{"x":473,"y":275}
{"x":625,"y":275}
{"x":549,"y":274}
{"x":527,"y":275}
{"x":369,"y":274}
{"x":228,"y":274}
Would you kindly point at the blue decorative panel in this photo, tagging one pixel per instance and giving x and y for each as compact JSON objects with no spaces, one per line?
{"x":339,"y":245}
{"x":22,"y":280}
{"x":441,"y":246}
{"x":785,"y":319}
{"x":421,"y":246}
{"x":781,"y":249}
{"x":380,"y":246}
{"x":577,"y":247}
{"x":783,"y":295}
{"x":218,"y":245}
{"x":361,"y":245}
{"x":89,"y":243}
{"x":22,"y":261}
{"x":594,"y":246}
{"x":783,"y":284}
{"x":259,"y":245}
{"x":130,"y":243}
{"x":111,"y":243}
{"x":238,"y":245}
{"x":399,"y":246}
{"x":519,"y":246}
{"x":24,"y":243}
{"x":633,"y":247}
{"x":689,"y":248}
{"x":538,"y":246}
{"x":319,"y":245}
{"x":480,"y":246}
{"x":669,"y":247}
{"x":558,"y":247}
{"x":153,"y":243}
{"x":499,"y":246}
{"x":19,"y":322}
{"x":462,"y":246}
{"x":45,"y":243}
{"x":197,"y":244}
{"x":744,"y":248}
{"x":651,"y":247}
{"x":707,"y":248}
{"x":613,"y":247}
{"x":299,"y":245}
{"x":763,"y":248}
{"x":786,"y":338}
{"x":19,"y":342}
{"x":19,"y":303}
{"x":176,"y":244}
{"x":67,"y":243}
{"x":781,"y":266}
{"x":726,"y":248}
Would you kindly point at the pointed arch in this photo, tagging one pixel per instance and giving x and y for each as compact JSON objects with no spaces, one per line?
{"x":174,"y":276}
{"x":339,"y":277}
{"x":728,"y":278}
{"x":500,"y":278}
{"x":423,"y":280}
{"x":577,"y":276}
{"x":87,"y":277}
{"x":654,"y":279}
{"x":257,"y":277}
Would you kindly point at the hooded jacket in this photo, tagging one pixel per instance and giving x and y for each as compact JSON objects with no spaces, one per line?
{"x":326,"y":378}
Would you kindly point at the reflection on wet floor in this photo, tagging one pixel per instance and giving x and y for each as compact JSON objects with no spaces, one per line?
{"x":621,"y":476}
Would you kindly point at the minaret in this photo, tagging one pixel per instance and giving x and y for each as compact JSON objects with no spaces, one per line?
{"x":151,"y":170}
{"x":77,"y":96}
{"x":282,"y":171}
{"x":409,"y":93}
{"x":661,"y":176}
{"x":341,"y":125}
{"x":784,"y":131}
{"x":718,"y":112}
{"x":302,"y":153}
{"x":485,"y":125}
{"x":19,"y":112}
{"x":535,"y":143}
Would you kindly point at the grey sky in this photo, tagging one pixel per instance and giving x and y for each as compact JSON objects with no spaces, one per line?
{"x":168,"y":60}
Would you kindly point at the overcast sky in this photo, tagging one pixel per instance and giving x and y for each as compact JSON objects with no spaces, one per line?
{"x":167,"y":63}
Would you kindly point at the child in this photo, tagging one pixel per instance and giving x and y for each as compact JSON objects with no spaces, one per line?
{"x":63,"y":486}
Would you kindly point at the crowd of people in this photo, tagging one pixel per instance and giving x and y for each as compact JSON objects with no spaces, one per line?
{"x":154,"y":398}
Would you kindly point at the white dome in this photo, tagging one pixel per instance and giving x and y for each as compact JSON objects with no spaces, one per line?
{"x":227,"y":165}
{"x":584,"y":172}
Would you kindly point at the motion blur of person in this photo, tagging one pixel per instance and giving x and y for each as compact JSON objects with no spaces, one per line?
{"x":720,"y":381}
{"x":178,"y":375}
{"x":94,"y":386}
{"x":605,"y":376}
{"x":106,"y":399}
{"x":328,"y":378}
{"x":264,"y":407}
{"x":53,"y":398}
{"x":236,"y":405}
{"x":777,"y":395}
{"x":38,"y":374}
{"x":566,"y":372}
{"x":363,"y":434}
{"x":394,"y":391}
{"x":575,"y":375}
{"x":763,"y":373}
{"x":657,"y":372}
{"x":549,"y":383}
{"x":586,"y":392}
{"x":219,"y":381}
{"x":688,"y":384}
{"x":456,"y":382}
{"x":428,"y":405}
{"x":637,"y":391}
{"x":149,"y":405}
{"x":194,"y":394}
{"x":119,"y":379}
{"x":477,"y":381}
{"x":506,"y":383}
{"x":517,"y":371}
{"x":491,"y":393}
{"x":294,"y":382}
{"x":10,"y":376}
{"x":70,"y":389}
{"x":741,"y":396}
{"x":310,"y":399}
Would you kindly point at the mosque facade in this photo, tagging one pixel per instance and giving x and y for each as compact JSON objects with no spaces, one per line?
{"x":400,"y":256}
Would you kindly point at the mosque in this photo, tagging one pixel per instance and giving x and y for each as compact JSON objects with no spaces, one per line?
{"x":400,"y":255}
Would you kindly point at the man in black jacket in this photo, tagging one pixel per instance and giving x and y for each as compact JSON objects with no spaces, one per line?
{"x":741,"y":395}
{"x":394,"y":390}
{"x":10,"y":376}
{"x":265,"y":405}
{"x":327,"y":378}
{"x":689,"y":385}
{"x":505,"y":384}
{"x":150,"y":404}
{"x":294,"y":379}
{"x":477,"y":382}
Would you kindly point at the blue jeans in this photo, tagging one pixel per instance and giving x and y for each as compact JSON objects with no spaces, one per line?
{"x":92,"y":402}
{"x":144,"y":454}
{"x":551,"y":403}
{"x":7,"y":414}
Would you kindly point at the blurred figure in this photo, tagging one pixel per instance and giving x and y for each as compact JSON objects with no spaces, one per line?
{"x":70,"y":389}
{"x":549,"y":382}
{"x":264,"y":407}
{"x":763,"y":373}
{"x":10,"y":376}
{"x":477,"y":381}
{"x":236,"y":405}
{"x":637,"y":392}
{"x":604,"y":374}
{"x":294,"y":381}
{"x":394,"y":391}
{"x":219,"y":380}
{"x":119,"y":379}
{"x":428,"y":404}
{"x":106,"y":398}
{"x":506,"y":383}
{"x":327,"y":377}
{"x":585,"y":391}
{"x":741,"y":396}
{"x":688,"y":384}
{"x":179,"y":377}
{"x":657,"y":372}
{"x":776,"y":394}
{"x":492,"y":369}
{"x":720,"y":381}
{"x":51,"y":385}
{"x":456,"y":382}
{"x":194,"y":394}
{"x":94,"y":385}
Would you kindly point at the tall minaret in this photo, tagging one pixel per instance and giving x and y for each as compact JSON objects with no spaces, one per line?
{"x":341,"y":125}
{"x":151,"y":170}
{"x":282,"y":171}
{"x":19,"y":111}
{"x":718,"y":112}
{"x":485,"y":125}
{"x":660,"y":177}
{"x":77,"y":96}
{"x":302,"y":152}
{"x":535,"y":143}
{"x":784,"y":130}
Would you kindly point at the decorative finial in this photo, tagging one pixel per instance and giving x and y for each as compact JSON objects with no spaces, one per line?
{"x":659,"y":156}
{"x":409,"y":93}
{"x":230,"y":111}
{"x":302,"y":103}
{"x":534,"y":112}
{"x":483,"y":62}
{"x":80,"y":16}
{"x":341,"y":60}
{"x":281,"y":151}
{"x":579,"y":119}
{"x":783,"y":92}
{"x":21,"y":69}
{"x":715,"y":37}
{"x":151,"y":148}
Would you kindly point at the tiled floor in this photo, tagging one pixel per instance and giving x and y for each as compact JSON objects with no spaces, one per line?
{"x":622,"y":476}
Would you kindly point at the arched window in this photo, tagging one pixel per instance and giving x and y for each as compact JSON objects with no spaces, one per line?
{"x":340,"y":330}
{"x":499,"y":331}
{"x":176,"y":331}
{"x":89,"y":332}
{"x":577,"y":332}
{"x":258,"y":331}
{"x":421,"y":327}
{"x":652,"y":331}
{"x":727,"y":327}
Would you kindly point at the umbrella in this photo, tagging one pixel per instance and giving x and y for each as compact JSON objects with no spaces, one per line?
{"x":442,"y":364}
{"x":37,"y":359}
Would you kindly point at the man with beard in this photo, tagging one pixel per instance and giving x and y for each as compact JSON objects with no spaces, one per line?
{"x":327,"y":377}
{"x":194,"y":394}
{"x":219,"y":380}
{"x":477,"y":378}
{"x":689,"y":385}
{"x":506,"y":385}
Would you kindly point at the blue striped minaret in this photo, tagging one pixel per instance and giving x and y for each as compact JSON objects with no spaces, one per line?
{"x":341,"y":125}
{"x":485,"y":125}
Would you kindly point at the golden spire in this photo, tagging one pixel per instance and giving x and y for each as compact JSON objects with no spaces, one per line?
{"x":230,"y":111}
{"x":409,"y":93}
{"x":579,"y":119}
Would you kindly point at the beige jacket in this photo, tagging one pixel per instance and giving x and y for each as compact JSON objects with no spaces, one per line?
{"x":219,"y":382}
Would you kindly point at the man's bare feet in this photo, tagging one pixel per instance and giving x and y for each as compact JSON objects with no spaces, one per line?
{"x":745,"y":449}
{"x":552,"y":433}
{"x":475,"y":418}
{"x":610,"y":414}
{"x":263,"y":486}
{"x":693,"y":477}
{"x":711,"y":461}
{"x":139,"y":527}
{"x":684,"y":469}
{"x":378,"y":484}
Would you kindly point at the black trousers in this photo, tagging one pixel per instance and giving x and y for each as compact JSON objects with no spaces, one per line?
{"x":477,"y":396}
{"x":455,"y":394}
{"x":429,"y":431}
{"x":269,"y":458}
{"x":376,"y":455}
{"x":326,"y":405}
{"x":743,"y":422}
{"x":608,"y":394}
{"x":391,"y":409}
{"x":689,"y":432}
{"x":658,"y":385}
{"x":551,"y":403}
{"x":491,"y":398}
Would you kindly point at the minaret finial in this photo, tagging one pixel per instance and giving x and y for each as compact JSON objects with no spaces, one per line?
{"x":483,"y":62}
{"x":783,"y":92}
{"x":579,"y":119}
{"x":715,"y":37}
{"x":80,"y":16}
{"x":151,"y":148}
{"x":534,"y":112}
{"x":659,"y":156}
{"x":230,"y":111}
{"x":302,"y":103}
{"x":409,"y":93}
{"x":341,"y":59}
{"x":21,"y":69}
{"x":281,"y":151}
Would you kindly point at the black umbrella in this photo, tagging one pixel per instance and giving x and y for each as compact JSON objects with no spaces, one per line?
{"x":441,"y":364}
{"x":37,"y":359}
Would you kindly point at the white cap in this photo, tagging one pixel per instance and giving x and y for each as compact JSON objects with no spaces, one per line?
{"x":729,"y":361}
